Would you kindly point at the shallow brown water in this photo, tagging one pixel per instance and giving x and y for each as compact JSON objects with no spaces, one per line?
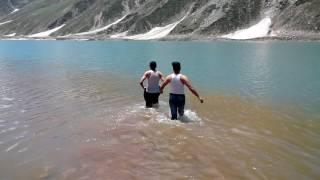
{"x":74,"y":110}
{"x":92,"y":125}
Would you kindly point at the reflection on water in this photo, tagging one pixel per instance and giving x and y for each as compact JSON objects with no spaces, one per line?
{"x":63,"y":122}
{"x":258,"y":72}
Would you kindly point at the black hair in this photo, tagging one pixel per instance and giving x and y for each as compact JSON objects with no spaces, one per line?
{"x":153,"y":65}
{"x":176,"y":67}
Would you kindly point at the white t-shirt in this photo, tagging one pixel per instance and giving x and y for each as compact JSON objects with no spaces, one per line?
{"x":177,"y":87}
{"x":153,"y":82}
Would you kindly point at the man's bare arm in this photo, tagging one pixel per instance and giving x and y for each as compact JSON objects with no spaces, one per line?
{"x":144,"y":77}
{"x":185,"y":81}
{"x":161,"y":77}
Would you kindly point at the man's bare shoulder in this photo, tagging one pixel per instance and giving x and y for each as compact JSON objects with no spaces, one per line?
{"x":169,"y":77}
{"x":160,"y":73}
{"x":147,"y":73}
{"x":183,"y":77}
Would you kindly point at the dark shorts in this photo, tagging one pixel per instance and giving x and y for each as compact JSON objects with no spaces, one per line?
{"x":151,"y":98}
{"x":177,"y":102}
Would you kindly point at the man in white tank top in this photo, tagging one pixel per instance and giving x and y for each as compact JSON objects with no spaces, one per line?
{"x":152,"y":91}
{"x":177,"y":96}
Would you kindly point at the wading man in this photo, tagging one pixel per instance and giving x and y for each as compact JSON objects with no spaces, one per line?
{"x":152,"y":91}
{"x":177,"y":95}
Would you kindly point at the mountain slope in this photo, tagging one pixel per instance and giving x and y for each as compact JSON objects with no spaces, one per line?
{"x":10,"y":6}
{"x":302,"y":15}
{"x":191,"y":18}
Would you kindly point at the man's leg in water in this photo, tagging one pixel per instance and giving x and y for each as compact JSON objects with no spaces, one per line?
{"x":180,"y":104}
{"x":173,"y":107}
{"x":155,"y":100}
{"x":147,"y":98}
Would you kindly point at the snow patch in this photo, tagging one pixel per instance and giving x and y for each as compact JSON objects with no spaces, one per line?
{"x":14,"y":11}
{"x":10,"y":35}
{"x":5,"y":22}
{"x":12,"y":147}
{"x":155,"y":33}
{"x":11,"y":5}
{"x":46,"y":33}
{"x":262,"y":29}
{"x":100,"y":29}
{"x":18,"y":39}
{"x":120,"y":35}
{"x":81,"y":39}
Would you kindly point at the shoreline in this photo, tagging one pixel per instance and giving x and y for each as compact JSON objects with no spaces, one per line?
{"x":307,"y":38}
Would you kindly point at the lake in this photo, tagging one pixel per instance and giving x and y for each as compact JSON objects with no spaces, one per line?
{"x":74,"y":110}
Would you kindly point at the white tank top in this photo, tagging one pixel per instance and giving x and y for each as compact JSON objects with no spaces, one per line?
{"x":153,"y":82}
{"x":177,"y":87}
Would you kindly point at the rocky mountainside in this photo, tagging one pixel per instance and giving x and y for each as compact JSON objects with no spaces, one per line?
{"x":10,"y":6}
{"x":152,"y":19}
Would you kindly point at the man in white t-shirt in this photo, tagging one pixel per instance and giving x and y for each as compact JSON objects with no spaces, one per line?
{"x":177,"y":95}
{"x":152,"y":91}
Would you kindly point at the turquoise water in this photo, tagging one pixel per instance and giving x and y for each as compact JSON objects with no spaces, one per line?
{"x":74,"y":110}
{"x":271,"y":72}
